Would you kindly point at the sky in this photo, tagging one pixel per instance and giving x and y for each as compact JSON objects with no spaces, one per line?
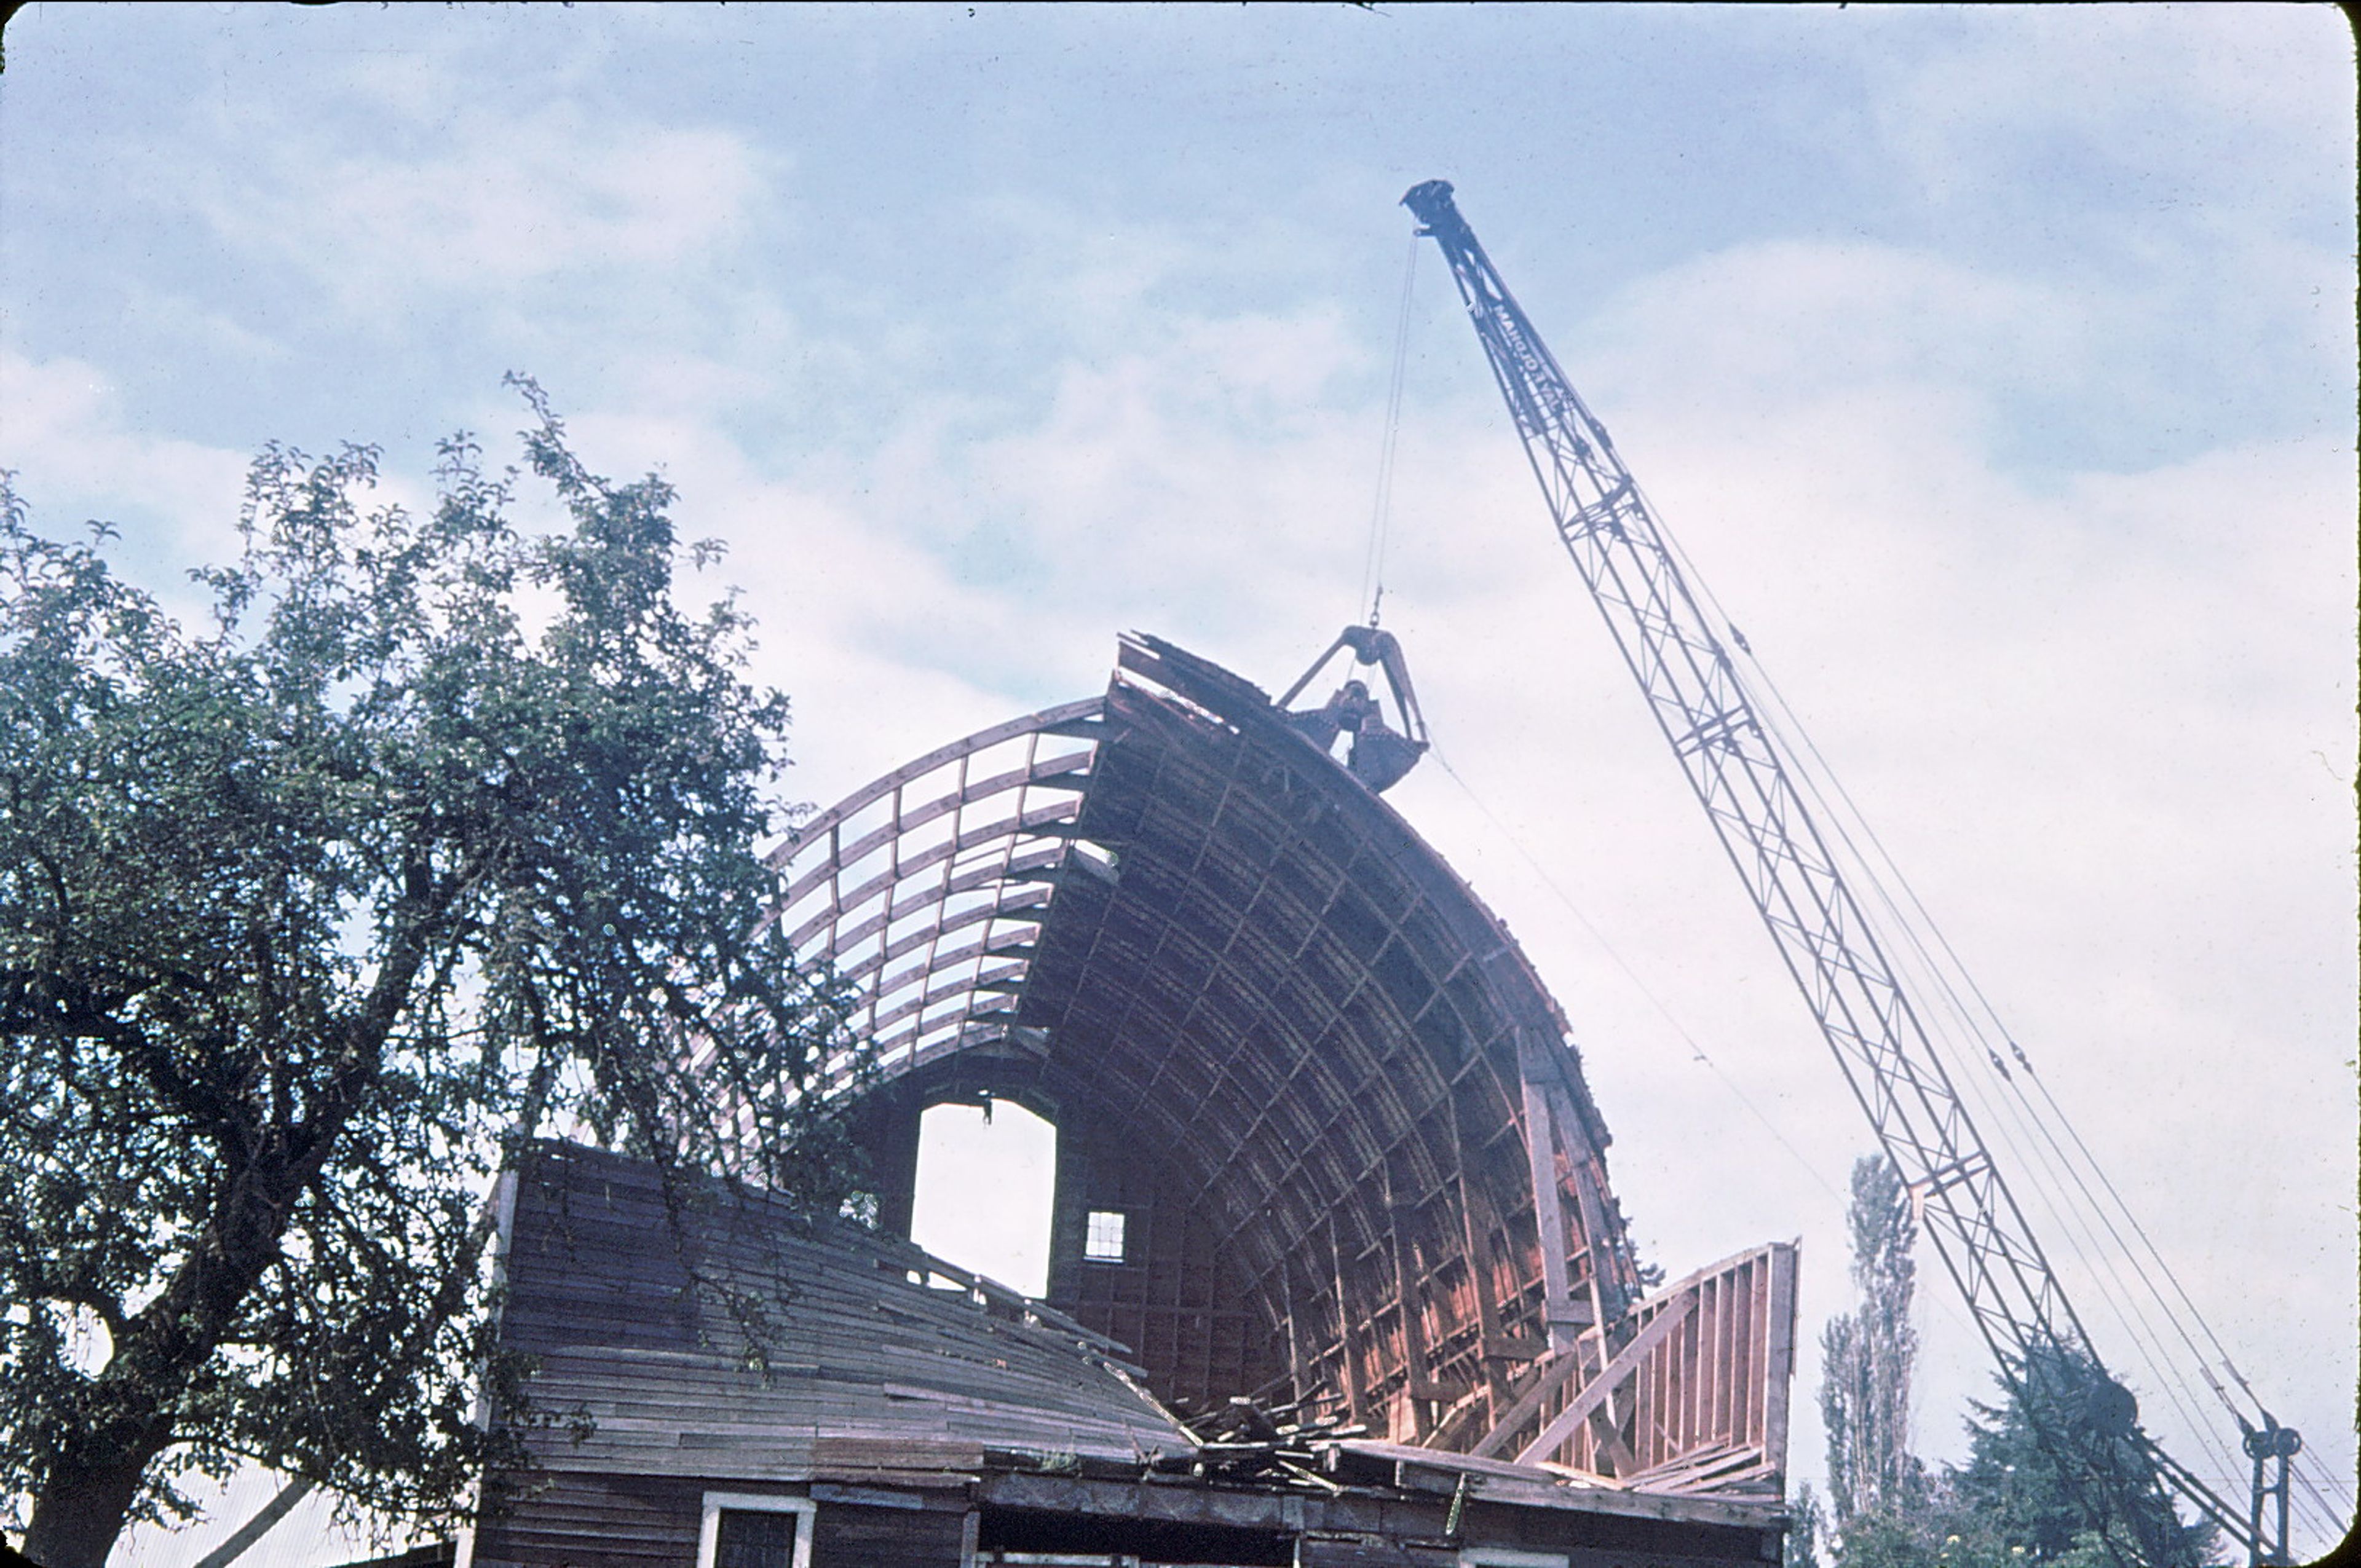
{"x":1994,"y":366}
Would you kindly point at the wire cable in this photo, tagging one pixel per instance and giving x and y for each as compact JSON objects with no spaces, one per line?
{"x":2070,"y":1221}
{"x":1696,"y":1050}
{"x":1373,"y":565}
{"x":2012,"y":1122}
{"x":2167,"y":1370}
{"x":1954,"y":1312}
{"x":1924,"y":919}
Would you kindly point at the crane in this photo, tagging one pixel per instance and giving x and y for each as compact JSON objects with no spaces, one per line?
{"x":1823,"y":933}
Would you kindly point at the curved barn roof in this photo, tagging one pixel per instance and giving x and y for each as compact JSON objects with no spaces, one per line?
{"x":1270,"y":1022}
{"x":854,"y":1338}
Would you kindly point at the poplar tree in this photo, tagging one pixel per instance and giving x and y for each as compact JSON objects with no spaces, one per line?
{"x":439,"y":834}
{"x":1868,"y":1355}
{"x":2016,"y":1502}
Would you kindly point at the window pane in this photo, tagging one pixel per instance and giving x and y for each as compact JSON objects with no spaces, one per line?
{"x":755,"y":1540}
{"x":1102,"y":1240}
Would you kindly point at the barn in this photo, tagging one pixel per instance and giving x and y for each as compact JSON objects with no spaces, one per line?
{"x":1337,"y":1277}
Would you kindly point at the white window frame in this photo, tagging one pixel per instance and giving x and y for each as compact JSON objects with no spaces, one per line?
{"x":1510,"y":1557}
{"x":1121,"y":1236}
{"x":708,"y":1528}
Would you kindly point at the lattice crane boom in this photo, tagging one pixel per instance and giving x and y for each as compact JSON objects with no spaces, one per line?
{"x":1830,"y":947}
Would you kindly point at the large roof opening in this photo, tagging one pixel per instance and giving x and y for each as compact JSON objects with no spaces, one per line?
{"x":987,"y":1176}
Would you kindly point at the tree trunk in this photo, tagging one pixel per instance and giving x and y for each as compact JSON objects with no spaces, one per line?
{"x":89,"y":1487}
{"x":88,"y":1490}
{"x":80,"y":1511}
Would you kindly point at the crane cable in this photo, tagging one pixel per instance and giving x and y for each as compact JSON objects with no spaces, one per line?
{"x":2025,"y":1116}
{"x":2066,"y":1221}
{"x":1696,"y":1050}
{"x":1373,"y":565}
{"x":2000,"y":1115}
{"x":1943,"y":1301}
{"x":2011,"y":1123}
{"x":2167,"y":1369}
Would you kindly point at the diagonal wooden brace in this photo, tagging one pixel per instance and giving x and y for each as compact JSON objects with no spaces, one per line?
{"x":1549,"y":1377}
{"x":1594,"y":1394}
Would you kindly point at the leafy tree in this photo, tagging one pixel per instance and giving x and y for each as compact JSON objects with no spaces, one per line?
{"x":438,"y":836}
{"x":1802,"y":1548}
{"x":1868,"y":1355}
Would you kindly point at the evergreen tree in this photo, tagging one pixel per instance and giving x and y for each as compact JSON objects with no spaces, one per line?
{"x":2022,"y":1457}
{"x":1803,"y":1545}
{"x":2053,"y":1449}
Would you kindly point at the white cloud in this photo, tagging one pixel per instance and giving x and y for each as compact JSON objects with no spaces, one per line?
{"x":2040,"y":513}
{"x":1789,"y":320}
{"x":65,"y":435}
{"x":504,"y":201}
{"x":2145,"y":97}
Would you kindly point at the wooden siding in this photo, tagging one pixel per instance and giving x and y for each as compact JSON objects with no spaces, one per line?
{"x":851,"y":1536}
{"x":573,"y":1520}
{"x":709,"y":1335}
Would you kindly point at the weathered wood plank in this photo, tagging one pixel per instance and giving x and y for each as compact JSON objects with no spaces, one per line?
{"x":597,"y":1249}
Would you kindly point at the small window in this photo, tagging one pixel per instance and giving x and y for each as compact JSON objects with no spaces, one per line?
{"x":1103,"y":1237}
{"x":752,"y":1539}
{"x":742,"y":1530}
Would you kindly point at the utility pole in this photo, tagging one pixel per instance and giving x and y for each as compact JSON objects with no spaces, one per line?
{"x":2268,"y":1442}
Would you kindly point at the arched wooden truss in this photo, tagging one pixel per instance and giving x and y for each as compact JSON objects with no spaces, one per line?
{"x":1341,"y":1118}
{"x":926,"y":888}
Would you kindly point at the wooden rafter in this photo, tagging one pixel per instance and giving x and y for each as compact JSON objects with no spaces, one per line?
{"x":1303,"y":1042}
